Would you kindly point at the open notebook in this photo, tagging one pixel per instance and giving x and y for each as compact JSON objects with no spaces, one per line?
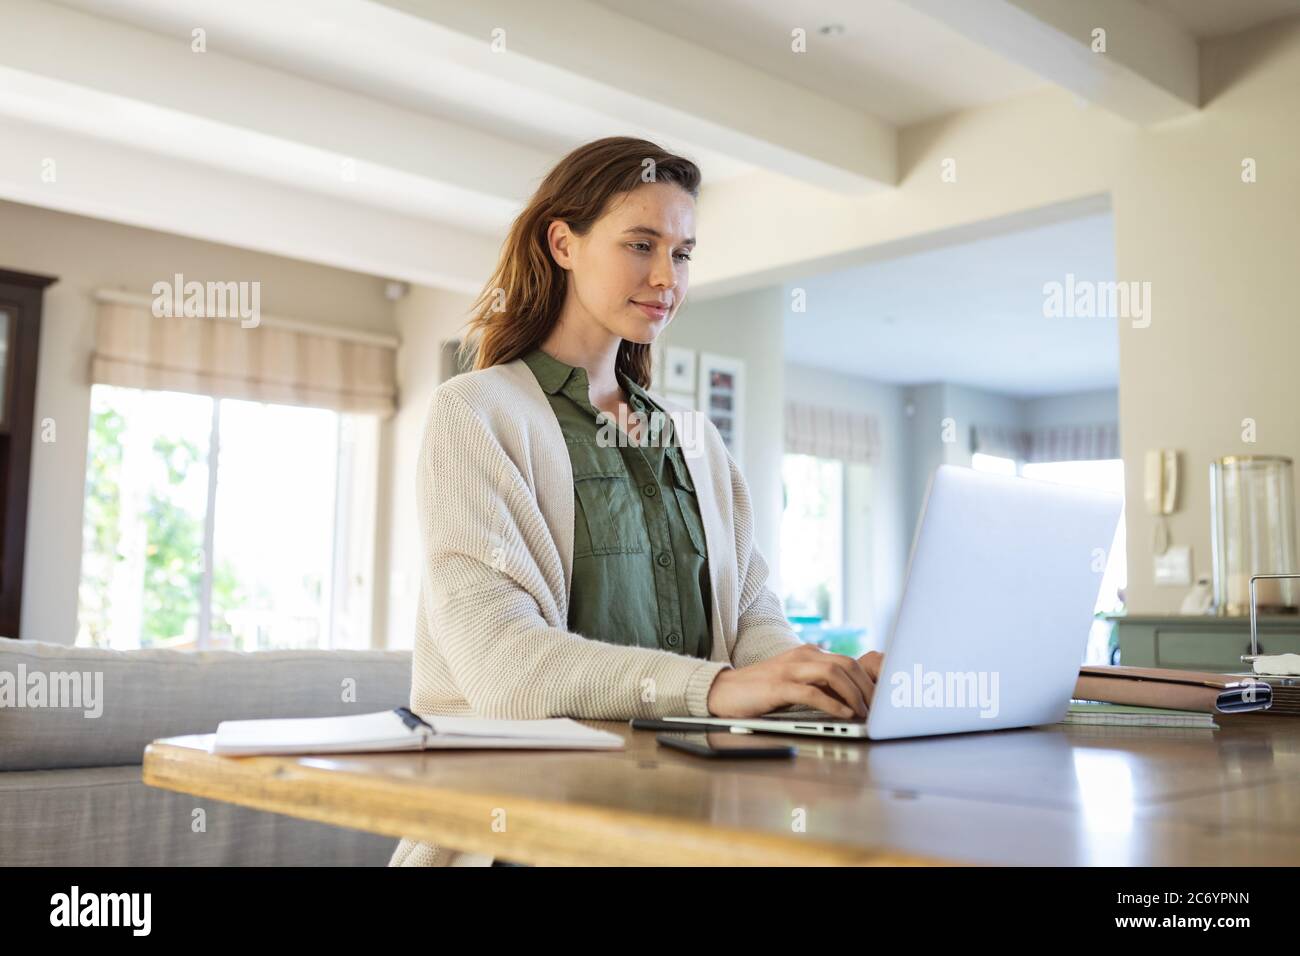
{"x":401,"y":729}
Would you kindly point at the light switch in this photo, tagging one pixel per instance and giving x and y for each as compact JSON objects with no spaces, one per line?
{"x":1174,"y":567}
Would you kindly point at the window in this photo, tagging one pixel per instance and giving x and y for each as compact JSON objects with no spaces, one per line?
{"x":812,"y":544}
{"x":218,"y":523}
{"x":826,"y":551}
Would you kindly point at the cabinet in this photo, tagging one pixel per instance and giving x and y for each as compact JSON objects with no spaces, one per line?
{"x":1201,"y":642}
{"x":20,"y":338}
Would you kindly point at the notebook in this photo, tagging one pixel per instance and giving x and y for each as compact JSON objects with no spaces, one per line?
{"x":401,"y":729}
{"x":1126,"y":715}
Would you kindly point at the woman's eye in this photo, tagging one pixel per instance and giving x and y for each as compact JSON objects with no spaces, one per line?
{"x":645,"y":247}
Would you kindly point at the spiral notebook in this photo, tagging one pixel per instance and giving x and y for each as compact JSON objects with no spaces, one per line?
{"x":401,"y":729}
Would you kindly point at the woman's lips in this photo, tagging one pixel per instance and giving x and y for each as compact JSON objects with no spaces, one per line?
{"x":651,"y":311}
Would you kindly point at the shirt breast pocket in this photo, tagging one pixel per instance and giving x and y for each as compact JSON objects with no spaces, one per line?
{"x":608,"y":517}
{"x":687,"y":502}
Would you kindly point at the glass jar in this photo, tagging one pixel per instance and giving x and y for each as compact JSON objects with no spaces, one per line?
{"x":1253,"y":531}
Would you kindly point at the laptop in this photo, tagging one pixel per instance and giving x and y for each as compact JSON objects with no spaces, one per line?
{"x":993,"y":624}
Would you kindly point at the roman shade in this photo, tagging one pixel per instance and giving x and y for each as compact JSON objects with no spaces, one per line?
{"x":831,"y":433}
{"x":274,"y":360}
{"x":1097,"y":442}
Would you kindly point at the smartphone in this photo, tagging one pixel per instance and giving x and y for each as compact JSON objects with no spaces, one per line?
{"x":724,"y":744}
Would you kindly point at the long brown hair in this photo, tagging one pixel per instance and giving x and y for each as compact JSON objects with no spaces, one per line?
{"x":521,"y":302}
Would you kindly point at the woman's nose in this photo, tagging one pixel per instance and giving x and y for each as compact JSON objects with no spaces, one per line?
{"x":662,"y":273}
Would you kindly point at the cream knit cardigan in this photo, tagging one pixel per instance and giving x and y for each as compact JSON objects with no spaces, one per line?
{"x":495,"y":500}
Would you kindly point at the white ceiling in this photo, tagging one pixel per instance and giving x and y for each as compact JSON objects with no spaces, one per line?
{"x":970,"y":314}
{"x":890,"y":60}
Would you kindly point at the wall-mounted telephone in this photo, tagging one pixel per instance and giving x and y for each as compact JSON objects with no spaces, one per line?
{"x":1161,"y":489}
{"x":1161,"y":493}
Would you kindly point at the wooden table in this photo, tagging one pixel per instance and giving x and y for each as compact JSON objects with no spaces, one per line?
{"x":1049,"y":795}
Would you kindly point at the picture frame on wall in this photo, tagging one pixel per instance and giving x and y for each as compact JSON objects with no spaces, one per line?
{"x":679,"y":369}
{"x":721,"y":396}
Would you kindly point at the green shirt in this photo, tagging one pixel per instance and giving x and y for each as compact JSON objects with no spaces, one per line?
{"x":640,"y":564}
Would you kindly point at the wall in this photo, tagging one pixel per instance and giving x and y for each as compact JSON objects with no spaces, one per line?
{"x":1224,"y":344}
{"x":1092,"y":407}
{"x":974,"y":406}
{"x":89,"y":254}
{"x":426,"y":318}
{"x":925,"y":408}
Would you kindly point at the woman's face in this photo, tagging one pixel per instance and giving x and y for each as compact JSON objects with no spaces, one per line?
{"x":629,"y":274}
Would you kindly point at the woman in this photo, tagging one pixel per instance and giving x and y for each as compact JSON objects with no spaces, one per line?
{"x":588,"y":549}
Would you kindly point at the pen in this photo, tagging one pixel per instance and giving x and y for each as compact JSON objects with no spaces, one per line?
{"x":410,"y":718}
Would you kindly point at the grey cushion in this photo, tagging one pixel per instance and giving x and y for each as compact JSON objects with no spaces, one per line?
{"x":147,"y":694}
{"x":104,"y":816}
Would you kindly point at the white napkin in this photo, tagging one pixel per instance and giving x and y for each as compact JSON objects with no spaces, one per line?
{"x":1277,"y":664}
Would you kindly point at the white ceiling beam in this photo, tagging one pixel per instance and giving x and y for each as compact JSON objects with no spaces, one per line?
{"x":634,"y":73}
{"x":1148,"y":73}
{"x":110,"y":80}
{"x":107,"y":181}
{"x":569,"y":71}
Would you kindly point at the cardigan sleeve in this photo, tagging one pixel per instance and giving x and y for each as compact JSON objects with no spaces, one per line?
{"x":490,"y":567}
{"x":762,"y":630}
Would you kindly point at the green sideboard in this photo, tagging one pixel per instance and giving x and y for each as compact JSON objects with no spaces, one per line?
{"x":1200,"y":642}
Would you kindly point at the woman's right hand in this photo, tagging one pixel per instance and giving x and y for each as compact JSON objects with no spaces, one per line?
{"x":805,"y":675}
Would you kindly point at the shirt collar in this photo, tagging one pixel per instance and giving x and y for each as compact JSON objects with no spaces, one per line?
{"x":550,"y":372}
{"x":554,"y":375}
{"x":636,"y":393}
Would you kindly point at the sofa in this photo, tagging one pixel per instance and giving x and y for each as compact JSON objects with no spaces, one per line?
{"x":70,"y":778}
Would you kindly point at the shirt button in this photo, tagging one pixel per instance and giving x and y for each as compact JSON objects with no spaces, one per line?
{"x":665,"y":559}
{"x":673,"y":639}
{"x":651,"y":490}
